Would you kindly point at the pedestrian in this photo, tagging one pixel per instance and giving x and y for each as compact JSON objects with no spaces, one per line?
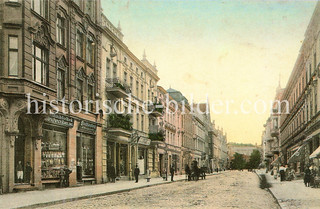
{"x":307,"y":177}
{"x":113,"y":174}
{"x":67,"y":172}
{"x":172,"y":172}
{"x":19,"y":169}
{"x":187,"y":170}
{"x":136,"y":173}
{"x":282,"y":173}
{"x":28,"y":172}
{"x":62,"y":177}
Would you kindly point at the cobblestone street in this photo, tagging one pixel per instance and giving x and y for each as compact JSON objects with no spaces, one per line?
{"x":228,"y":190}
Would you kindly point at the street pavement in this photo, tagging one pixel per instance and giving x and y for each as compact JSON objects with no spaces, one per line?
{"x":54,"y":196}
{"x":293,"y":194}
{"x":230,"y":189}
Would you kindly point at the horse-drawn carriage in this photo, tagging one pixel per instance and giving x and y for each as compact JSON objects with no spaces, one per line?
{"x":195,"y":172}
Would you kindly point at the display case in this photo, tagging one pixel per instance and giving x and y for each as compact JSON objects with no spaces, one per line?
{"x":53,"y":154}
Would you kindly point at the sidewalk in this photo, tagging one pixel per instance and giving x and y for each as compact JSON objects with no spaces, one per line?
{"x":54,"y":196}
{"x":293,"y":194}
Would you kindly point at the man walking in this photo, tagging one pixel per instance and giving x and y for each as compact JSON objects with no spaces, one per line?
{"x":136,"y":173}
{"x":172,"y":172}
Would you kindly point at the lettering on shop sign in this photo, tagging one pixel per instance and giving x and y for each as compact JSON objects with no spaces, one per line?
{"x":87,"y":127}
{"x":60,"y":120}
{"x":144,"y":141}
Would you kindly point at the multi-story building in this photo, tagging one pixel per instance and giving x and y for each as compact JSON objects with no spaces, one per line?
{"x":186,"y":128}
{"x":271,"y":134}
{"x":299,"y":129}
{"x":127,"y":83}
{"x":170,"y":150}
{"x":244,"y":149}
{"x":51,"y":51}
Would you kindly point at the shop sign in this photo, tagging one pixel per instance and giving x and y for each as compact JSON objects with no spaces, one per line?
{"x":60,"y":120}
{"x":144,"y":141}
{"x":87,"y":126}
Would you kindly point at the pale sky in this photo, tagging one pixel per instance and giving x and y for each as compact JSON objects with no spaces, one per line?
{"x":230,"y":50}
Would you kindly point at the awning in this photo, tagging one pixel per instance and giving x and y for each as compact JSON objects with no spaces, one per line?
{"x":315,"y":154}
{"x":276,"y":161}
{"x":295,"y":155}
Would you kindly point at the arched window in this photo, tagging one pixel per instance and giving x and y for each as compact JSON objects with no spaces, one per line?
{"x":62,"y":67}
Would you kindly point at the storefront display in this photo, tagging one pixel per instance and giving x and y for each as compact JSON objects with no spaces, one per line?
{"x":85,"y":155}
{"x":53,"y":152}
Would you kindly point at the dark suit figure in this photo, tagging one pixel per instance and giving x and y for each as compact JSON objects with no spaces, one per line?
{"x":136,"y":173}
{"x":172,"y":172}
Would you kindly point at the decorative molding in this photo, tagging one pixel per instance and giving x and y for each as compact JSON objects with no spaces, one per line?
{"x":41,"y":35}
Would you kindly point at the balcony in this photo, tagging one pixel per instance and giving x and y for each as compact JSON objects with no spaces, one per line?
{"x":117,"y":88}
{"x":157,"y":109}
{"x":119,"y":127}
{"x":156,"y":134}
{"x":275,"y":132}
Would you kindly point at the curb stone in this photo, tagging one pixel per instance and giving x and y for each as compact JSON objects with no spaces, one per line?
{"x":269,"y":190}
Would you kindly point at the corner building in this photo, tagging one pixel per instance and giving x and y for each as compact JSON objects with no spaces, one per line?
{"x":50,"y":50}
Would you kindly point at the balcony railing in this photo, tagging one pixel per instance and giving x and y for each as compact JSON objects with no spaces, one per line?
{"x":117,"y":87}
{"x":156,"y":134}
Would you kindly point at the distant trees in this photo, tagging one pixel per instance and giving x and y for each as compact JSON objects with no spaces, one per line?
{"x":254,"y":161}
{"x":238,"y":162}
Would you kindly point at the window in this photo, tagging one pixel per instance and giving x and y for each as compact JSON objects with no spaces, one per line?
{"x":141,"y":74}
{"x":90,"y":96}
{"x":13,"y":56}
{"x":130,"y":64}
{"x":79,"y":90}
{"x":131,"y":82}
{"x":108,"y":68}
{"x":142,"y":91}
{"x":61,"y":30}
{"x":125,"y":60}
{"x":137,"y":70}
{"x":79,"y":46}
{"x":142,"y":121}
{"x":114,"y":70}
{"x":41,"y":7}
{"x":90,"y":8}
{"x":60,"y":83}
{"x":125,"y":77}
{"x":90,"y":50}
{"x":137,"y":115}
{"x":40,"y":64}
{"x":137,"y":88}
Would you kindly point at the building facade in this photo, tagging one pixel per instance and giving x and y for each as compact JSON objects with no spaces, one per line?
{"x":50,"y":51}
{"x":299,"y":129}
{"x":127,"y":83}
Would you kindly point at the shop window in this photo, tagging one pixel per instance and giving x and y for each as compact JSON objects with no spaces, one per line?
{"x":53,"y":153}
{"x":40,"y":64}
{"x":13,"y":56}
{"x":61,"y":30}
{"x":41,"y":7}
{"x":85,"y":155}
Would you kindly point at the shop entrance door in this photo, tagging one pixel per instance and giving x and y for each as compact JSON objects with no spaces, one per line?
{"x":19,"y":154}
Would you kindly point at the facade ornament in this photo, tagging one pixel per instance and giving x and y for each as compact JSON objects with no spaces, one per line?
{"x":40,"y":34}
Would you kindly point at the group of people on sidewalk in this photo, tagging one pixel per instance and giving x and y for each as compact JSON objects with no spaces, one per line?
{"x":311,"y":177}
{"x":284,"y":172}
